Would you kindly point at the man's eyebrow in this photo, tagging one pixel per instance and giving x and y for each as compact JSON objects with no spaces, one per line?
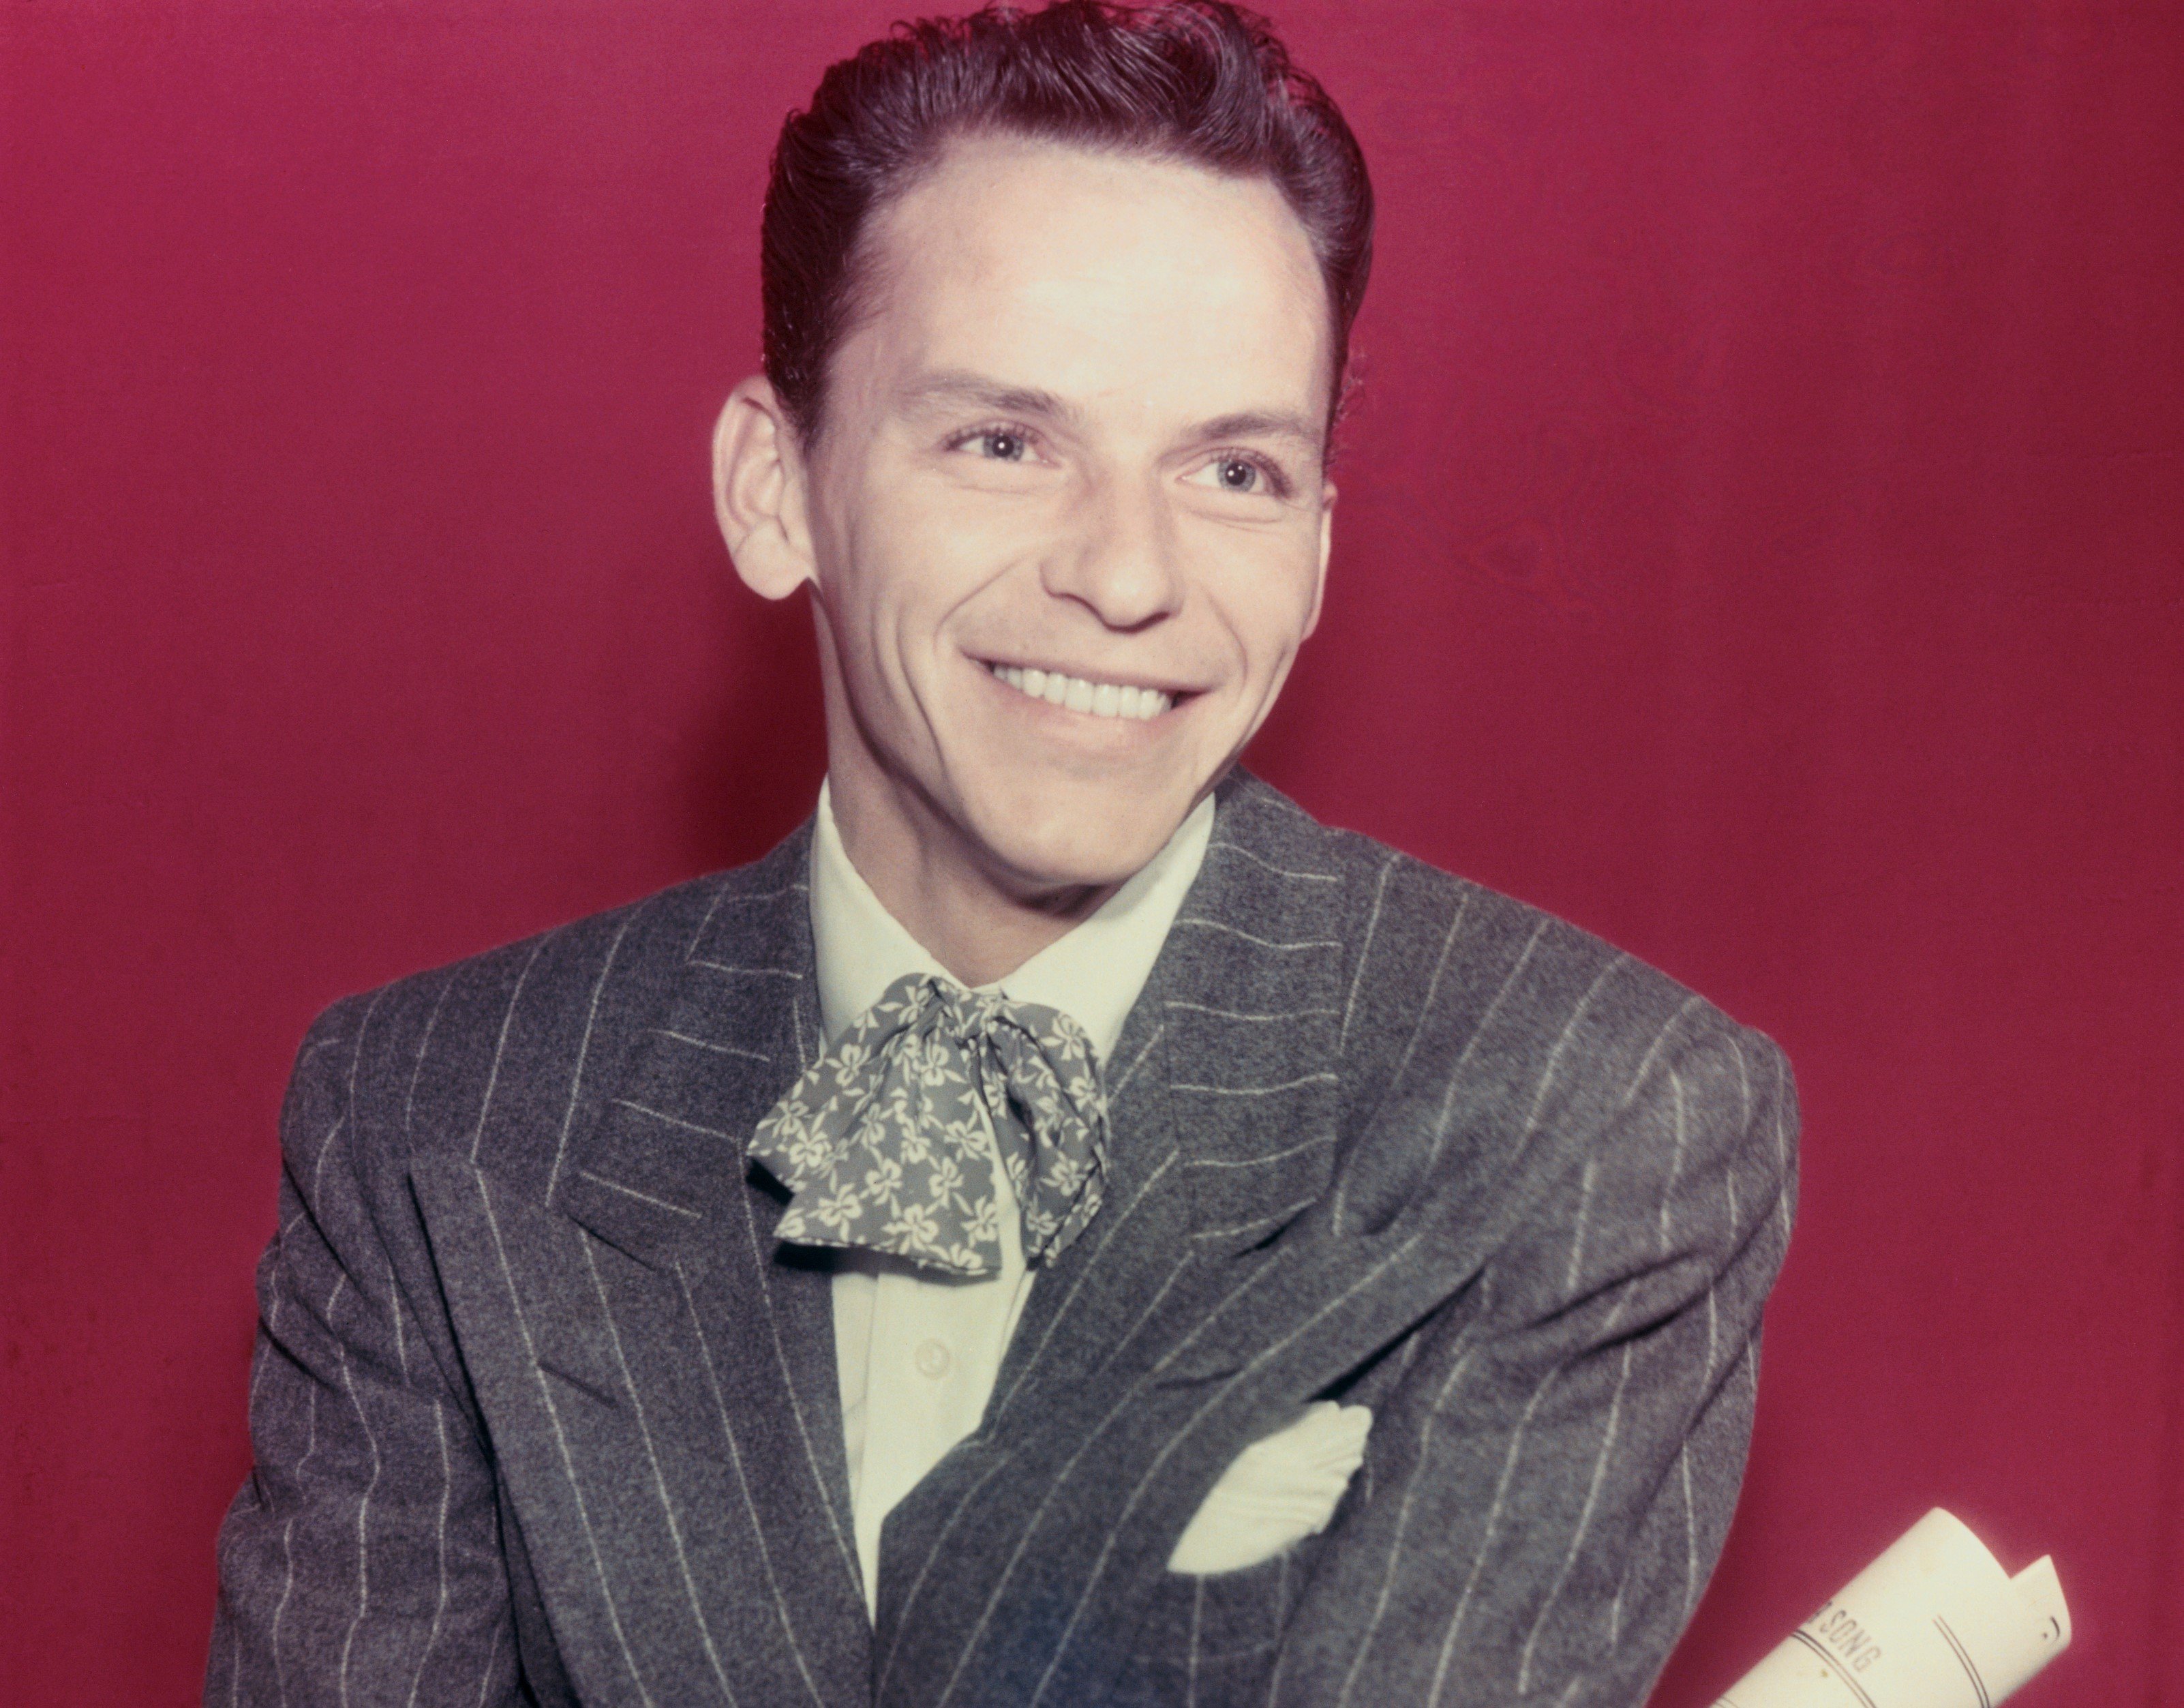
{"x":1263,"y":424}
{"x":953,"y":386}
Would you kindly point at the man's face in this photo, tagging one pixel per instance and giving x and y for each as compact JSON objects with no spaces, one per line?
{"x":1067,"y":507}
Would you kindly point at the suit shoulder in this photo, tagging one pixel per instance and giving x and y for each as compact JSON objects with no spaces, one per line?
{"x":1475,"y":1013}
{"x":1429,"y":951}
{"x":463,"y":992}
{"x":413,"y":1054}
{"x":1499,"y":1046}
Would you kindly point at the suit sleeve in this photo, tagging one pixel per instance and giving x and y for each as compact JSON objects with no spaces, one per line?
{"x":1556,"y":1454}
{"x":361,"y":1562}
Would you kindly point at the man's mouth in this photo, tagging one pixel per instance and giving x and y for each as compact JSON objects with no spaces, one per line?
{"x":1081,"y":693}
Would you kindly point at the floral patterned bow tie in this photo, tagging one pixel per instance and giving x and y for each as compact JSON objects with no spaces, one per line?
{"x":884,"y":1142}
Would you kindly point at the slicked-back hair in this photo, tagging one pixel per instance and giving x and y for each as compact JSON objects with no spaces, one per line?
{"x":1197,"y":82}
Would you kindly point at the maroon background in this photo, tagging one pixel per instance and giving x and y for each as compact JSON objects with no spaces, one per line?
{"x":1759,"y":542}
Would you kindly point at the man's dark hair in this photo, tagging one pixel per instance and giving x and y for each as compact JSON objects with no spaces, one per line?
{"x":1199,"y":81}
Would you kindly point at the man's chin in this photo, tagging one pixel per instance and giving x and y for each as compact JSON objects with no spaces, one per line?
{"x":1094,"y":839}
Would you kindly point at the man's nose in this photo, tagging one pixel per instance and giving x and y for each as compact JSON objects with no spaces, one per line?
{"x":1120,"y":557}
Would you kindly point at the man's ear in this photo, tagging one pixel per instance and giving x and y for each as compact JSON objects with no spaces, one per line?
{"x":759,"y":492}
{"x":1326,"y":547}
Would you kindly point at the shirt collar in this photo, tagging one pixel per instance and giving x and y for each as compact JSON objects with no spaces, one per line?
{"x":1092,"y":974}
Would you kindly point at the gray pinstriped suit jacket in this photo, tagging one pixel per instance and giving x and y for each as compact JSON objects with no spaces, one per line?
{"x":541,"y":1412}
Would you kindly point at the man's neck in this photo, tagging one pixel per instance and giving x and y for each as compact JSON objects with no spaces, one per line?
{"x":965,"y":914}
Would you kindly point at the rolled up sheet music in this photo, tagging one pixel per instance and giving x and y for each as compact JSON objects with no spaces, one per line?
{"x":1935,"y":1622}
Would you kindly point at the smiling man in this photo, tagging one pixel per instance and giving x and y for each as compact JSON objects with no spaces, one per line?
{"x":1065,"y":1227}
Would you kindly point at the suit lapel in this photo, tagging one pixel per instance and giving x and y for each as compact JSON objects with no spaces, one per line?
{"x":1288,"y":1293}
{"x":1252,"y":996}
{"x":662,"y":1390}
{"x":1223,"y":1088}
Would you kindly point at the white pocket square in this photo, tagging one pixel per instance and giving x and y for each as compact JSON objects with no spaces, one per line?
{"x":1278,"y":1491}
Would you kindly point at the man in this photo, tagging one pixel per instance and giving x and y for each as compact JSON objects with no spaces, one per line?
{"x":1065,"y":1227}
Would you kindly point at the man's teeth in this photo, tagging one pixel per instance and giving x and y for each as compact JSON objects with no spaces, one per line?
{"x":1100,"y":699}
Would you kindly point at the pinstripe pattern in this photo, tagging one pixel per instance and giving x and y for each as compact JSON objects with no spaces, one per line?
{"x":440,"y":1555}
{"x":659,"y":1480}
{"x":838,"y":1504}
{"x":1253,"y":939}
{"x":537,"y":1398}
{"x":583,"y":1048}
{"x":500,"y":1049}
{"x":561,"y":1445}
{"x":1404,"y":1512}
{"x":1105,"y":1229}
{"x":362,"y":1520}
{"x":1323,"y":1078}
{"x":1260,"y":860}
{"x":743,"y":1484}
{"x":1365,"y":946}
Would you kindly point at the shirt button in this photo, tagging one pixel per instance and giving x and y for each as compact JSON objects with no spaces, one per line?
{"x":932,"y":1360}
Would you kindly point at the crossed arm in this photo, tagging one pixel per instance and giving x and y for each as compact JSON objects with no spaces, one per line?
{"x":1555,"y":1457}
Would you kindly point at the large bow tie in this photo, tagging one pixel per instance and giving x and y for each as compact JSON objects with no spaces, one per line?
{"x":884,"y":1142}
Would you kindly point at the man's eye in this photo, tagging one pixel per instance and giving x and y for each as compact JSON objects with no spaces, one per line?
{"x":1238,"y":474}
{"x":1001,"y":445}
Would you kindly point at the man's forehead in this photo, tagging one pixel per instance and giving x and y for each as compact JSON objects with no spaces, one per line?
{"x":1064,"y":273}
